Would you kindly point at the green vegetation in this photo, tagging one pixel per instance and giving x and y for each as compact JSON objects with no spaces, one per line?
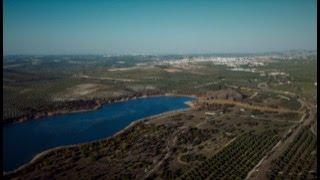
{"x":34,"y":82}
{"x":236,"y":160}
{"x":256,"y":109}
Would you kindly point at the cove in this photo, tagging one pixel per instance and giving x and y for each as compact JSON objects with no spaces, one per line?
{"x":22,"y":141}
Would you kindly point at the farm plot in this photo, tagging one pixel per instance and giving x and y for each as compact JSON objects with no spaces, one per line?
{"x":237,"y":159}
{"x":298,"y":159}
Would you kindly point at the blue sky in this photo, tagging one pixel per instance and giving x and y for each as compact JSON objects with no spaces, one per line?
{"x":158,"y":26}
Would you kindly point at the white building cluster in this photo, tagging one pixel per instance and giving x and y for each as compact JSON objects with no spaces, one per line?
{"x":233,"y":62}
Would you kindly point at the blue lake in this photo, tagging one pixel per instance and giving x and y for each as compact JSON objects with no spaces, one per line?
{"x":22,"y":141}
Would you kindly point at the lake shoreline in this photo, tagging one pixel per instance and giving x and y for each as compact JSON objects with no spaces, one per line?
{"x":132,"y":124}
{"x":94,"y":104}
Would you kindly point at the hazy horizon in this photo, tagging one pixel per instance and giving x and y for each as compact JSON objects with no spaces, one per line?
{"x":157,"y":27}
{"x":161,"y":54}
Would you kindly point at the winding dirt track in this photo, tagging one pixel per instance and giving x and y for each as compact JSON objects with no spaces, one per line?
{"x":170,"y":144}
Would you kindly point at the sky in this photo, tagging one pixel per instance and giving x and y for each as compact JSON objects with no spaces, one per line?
{"x":43,"y":27}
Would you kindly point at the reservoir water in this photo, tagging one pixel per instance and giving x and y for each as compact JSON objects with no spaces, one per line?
{"x":22,"y":141}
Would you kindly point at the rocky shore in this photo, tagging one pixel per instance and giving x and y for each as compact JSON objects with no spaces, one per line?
{"x":132,"y":124}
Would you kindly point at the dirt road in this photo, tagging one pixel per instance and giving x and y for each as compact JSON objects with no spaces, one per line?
{"x":170,"y":144}
{"x":259,"y":172}
{"x":253,"y":107}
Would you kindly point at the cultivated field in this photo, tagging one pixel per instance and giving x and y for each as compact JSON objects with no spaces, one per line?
{"x":257,"y":124}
